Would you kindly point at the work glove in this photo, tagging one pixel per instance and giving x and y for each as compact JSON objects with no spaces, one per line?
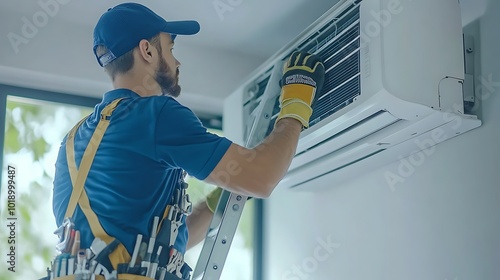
{"x":303,"y":77}
{"x":213,"y":198}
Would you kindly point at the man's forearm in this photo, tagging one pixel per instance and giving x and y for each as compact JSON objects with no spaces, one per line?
{"x":256,"y":172}
{"x":198,"y":223}
{"x":269,"y":161}
{"x":279,"y":148}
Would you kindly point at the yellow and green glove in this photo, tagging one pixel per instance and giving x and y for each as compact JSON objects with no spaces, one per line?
{"x":213,"y":198}
{"x":303,"y":77}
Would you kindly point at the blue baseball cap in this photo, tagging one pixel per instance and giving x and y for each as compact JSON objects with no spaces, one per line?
{"x":121,"y":28}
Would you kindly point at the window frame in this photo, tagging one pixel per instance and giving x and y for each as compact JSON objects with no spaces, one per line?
{"x":77,"y":100}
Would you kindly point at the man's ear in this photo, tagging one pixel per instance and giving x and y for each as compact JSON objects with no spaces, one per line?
{"x":146,"y":50}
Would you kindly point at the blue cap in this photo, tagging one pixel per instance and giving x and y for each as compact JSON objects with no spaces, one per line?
{"x":121,"y":28}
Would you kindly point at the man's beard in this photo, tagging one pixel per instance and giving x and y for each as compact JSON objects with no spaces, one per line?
{"x":168,"y":84}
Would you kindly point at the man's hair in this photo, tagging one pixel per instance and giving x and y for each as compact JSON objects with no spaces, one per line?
{"x":125,"y":62}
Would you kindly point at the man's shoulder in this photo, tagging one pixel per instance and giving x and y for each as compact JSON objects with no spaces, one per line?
{"x":147,"y":107}
{"x":131,"y":100}
{"x":170,"y":107}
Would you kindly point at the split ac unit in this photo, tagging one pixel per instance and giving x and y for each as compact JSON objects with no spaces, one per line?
{"x":393,"y":87}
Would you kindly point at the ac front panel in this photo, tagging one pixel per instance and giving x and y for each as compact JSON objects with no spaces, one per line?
{"x":394,"y":136}
{"x":323,"y":174}
{"x":412,"y":49}
{"x":358,"y":112}
{"x":357,"y":132}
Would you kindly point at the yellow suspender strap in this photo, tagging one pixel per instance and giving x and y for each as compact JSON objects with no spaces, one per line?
{"x":73,"y":171}
{"x":79,"y":176}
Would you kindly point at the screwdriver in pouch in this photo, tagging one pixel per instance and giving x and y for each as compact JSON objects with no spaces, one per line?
{"x":149,"y":254}
{"x":136,"y":251}
{"x":163,"y":239}
{"x":102,"y":257}
{"x":154,"y":264}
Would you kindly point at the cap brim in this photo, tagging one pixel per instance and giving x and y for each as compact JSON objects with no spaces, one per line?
{"x":184,"y":27}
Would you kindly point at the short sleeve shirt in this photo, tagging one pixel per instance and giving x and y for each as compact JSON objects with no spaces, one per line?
{"x":138,"y":164}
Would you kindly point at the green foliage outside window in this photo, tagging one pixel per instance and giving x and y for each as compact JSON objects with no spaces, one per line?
{"x":33,"y":133}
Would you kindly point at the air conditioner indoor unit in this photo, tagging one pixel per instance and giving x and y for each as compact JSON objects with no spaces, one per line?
{"x":394,"y":86}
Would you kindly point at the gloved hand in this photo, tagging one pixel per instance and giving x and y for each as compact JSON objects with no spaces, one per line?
{"x":303,"y":77}
{"x":213,"y":198}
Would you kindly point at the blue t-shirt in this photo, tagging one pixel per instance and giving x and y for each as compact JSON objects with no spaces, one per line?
{"x":139,"y":162}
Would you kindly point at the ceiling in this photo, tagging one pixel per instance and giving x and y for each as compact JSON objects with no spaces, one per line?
{"x":245,"y":26}
{"x":236,"y":37}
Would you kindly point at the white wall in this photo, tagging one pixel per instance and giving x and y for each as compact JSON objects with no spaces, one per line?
{"x":442,"y":223}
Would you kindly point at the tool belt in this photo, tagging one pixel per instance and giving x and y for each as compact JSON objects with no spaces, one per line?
{"x":154,"y":257}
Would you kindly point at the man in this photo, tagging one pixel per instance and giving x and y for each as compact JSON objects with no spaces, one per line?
{"x":152,"y":138}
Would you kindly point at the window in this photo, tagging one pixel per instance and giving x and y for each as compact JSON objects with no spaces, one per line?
{"x":35,"y":123}
{"x":33,"y":133}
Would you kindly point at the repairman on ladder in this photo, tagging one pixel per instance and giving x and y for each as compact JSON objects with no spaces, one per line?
{"x":119,"y":193}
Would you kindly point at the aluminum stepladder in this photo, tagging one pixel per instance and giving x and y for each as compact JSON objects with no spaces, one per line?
{"x":228,"y":212}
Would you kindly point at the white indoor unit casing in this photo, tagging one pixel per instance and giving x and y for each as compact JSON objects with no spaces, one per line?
{"x":393,"y":87}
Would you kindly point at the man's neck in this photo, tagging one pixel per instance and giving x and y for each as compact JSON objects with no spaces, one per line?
{"x":143,"y":85}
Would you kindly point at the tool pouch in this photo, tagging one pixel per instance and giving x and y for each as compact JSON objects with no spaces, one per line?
{"x":168,"y":276}
{"x":132,"y":277}
{"x":73,"y":277}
